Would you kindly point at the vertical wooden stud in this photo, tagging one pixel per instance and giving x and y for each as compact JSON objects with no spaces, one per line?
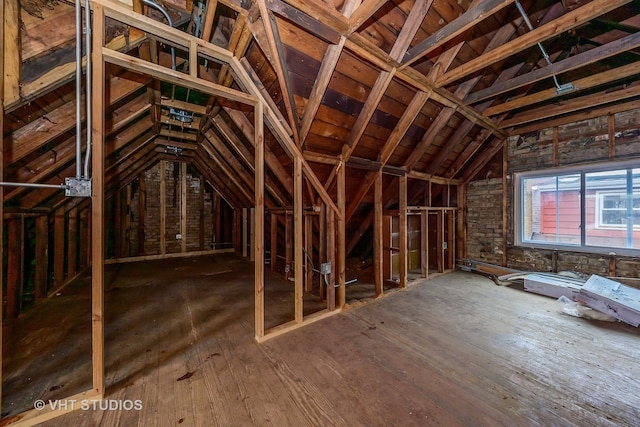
{"x":85,"y":239}
{"x":42,"y":257}
{"x":183,"y":206}
{"x":97,"y":201}
{"x":274,"y":241}
{"x":245,"y":237}
{"x":2,"y":71}
{"x":612,"y":136}
{"x":440,"y":241}
{"x":201,"y":225}
{"x":163,"y":207}
{"x":322,"y":249}
{"x":424,"y":249}
{"x":72,"y":243}
{"x":252,"y":234}
{"x":117,"y":228}
{"x":308,"y":244}
{"x":142,"y":212}
{"x":341,"y":257}
{"x":288,"y":244}
{"x":58,"y":248}
{"x":403,"y":231}
{"x":505,"y":200}
{"x":11,"y":52}
{"x":377,"y":235}
{"x":450,"y":233}
{"x":218,"y":219}
{"x":331,"y":258}
{"x":259,"y":225}
{"x":461,"y":235}
{"x":297,"y":221}
{"x":14,"y":270}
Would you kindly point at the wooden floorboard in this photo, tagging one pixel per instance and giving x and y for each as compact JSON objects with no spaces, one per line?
{"x":456,"y":350}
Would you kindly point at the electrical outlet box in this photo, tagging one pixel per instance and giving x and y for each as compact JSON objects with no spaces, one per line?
{"x":178,"y":236}
{"x":325,"y":268}
{"x":445,"y":245}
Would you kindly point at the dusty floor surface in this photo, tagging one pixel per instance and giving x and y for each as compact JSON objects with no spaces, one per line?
{"x":456,"y":350}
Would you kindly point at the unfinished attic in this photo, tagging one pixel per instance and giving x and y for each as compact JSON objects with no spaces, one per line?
{"x":270,"y":212}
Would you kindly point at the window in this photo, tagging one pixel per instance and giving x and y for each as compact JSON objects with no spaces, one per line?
{"x":596,"y":209}
{"x":612,"y":210}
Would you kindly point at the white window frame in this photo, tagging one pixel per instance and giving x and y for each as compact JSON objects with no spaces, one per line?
{"x":518,"y":206}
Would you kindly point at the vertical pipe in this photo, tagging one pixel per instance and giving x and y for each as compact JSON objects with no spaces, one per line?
{"x":78,"y":89}
{"x":87,"y":41}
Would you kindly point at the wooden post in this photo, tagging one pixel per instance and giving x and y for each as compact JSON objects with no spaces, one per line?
{"x":322,"y":248}
{"x":297,"y":221}
{"x":183,"y":206}
{"x":505,"y":200}
{"x":201,"y":225}
{"x":341,"y":258}
{"x":308,"y":244}
{"x":378,"y":277}
{"x":331,"y":258}
{"x":274,"y":241}
{"x":216,"y":219}
{"x":402,"y":263}
{"x":97,"y":201}
{"x":288,"y":246}
{"x":142,"y":212}
{"x":2,"y":41}
{"x":612,"y":136}
{"x":236,"y":232}
{"x":72,"y":245}
{"x":42,"y":257}
{"x":440,"y":241}
{"x":85,"y":239}
{"x":555,"y":146}
{"x":612,"y":266}
{"x":424,"y":241}
{"x":58,"y":248}
{"x":450,"y":261}
{"x":163,"y":207}
{"x":11,"y":52}
{"x":461,"y":234}
{"x":14,"y":271}
{"x":259,"y":227}
{"x":252,"y":234}
{"x":244,"y":233}
{"x":117,"y":228}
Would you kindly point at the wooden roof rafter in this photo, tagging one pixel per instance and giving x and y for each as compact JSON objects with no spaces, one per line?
{"x":381,"y":85}
{"x":566,"y":22}
{"x":477,"y":11}
{"x":279,"y":64}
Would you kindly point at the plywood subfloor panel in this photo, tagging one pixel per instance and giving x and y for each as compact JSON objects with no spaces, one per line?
{"x":456,"y":350}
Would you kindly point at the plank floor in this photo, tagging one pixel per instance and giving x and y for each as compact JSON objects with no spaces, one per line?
{"x":456,"y":350}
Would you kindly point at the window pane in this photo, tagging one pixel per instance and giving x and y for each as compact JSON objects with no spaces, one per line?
{"x":551,"y":209}
{"x":569,"y":208}
{"x":607,"y":213}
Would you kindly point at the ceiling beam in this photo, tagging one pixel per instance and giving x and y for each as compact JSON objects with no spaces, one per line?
{"x":579,"y":116}
{"x":461,"y":24}
{"x":279,"y":64}
{"x":580,"y":60}
{"x":564,"y":23}
{"x":576,"y":104}
{"x":580,"y":85}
